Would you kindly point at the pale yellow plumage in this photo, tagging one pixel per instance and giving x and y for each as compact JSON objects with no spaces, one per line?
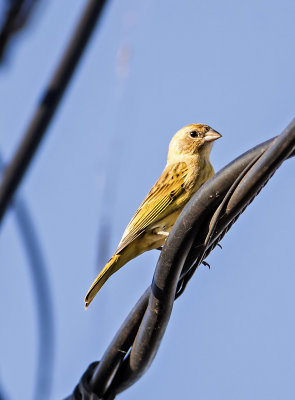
{"x":187,"y":168}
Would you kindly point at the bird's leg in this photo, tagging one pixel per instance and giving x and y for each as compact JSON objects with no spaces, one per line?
{"x":163,"y":233}
{"x":219,"y":245}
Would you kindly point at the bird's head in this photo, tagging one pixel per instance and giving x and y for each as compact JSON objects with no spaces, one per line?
{"x":194,"y":139}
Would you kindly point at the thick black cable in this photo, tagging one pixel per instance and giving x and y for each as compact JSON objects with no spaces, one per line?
{"x":36,"y":130}
{"x":194,"y":222}
{"x":173,"y":255}
{"x":119,"y":346}
{"x":43,"y":298}
{"x":104,"y":369}
{"x":245,"y":191}
{"x":169,"y":267}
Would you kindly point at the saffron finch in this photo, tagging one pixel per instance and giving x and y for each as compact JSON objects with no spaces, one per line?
{"x":187,"y":168}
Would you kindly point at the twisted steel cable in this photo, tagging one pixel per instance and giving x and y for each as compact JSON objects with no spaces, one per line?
{"x":203,"y":222}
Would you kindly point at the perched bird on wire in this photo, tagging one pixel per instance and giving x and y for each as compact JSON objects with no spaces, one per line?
{"x":187,"y":168}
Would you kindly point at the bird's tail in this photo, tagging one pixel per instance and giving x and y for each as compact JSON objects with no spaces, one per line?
{"x":111,"y":267}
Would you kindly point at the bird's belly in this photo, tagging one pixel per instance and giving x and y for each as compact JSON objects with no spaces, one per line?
{"x":154,"y":237}
{"x":166,"y":224}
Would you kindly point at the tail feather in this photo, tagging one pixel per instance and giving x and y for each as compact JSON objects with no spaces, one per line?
{"x":111,"y":267}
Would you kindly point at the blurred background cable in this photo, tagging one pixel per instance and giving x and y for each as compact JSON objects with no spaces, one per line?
{"x":43,"y":298}
{"x":15,"y":15}
{"x":2,"y":397}
{"x":15,"y":171}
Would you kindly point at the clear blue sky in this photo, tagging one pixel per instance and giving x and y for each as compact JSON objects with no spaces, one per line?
{"x":151,"y":68}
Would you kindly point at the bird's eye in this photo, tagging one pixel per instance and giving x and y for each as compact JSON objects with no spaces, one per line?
{"x":194,"y":134}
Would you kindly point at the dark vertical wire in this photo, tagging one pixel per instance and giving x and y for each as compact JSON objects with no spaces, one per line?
{"x":15,"y":171}
{"x":43,"y":298}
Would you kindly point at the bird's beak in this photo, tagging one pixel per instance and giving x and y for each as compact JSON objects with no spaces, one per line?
{"x":212,"y":135}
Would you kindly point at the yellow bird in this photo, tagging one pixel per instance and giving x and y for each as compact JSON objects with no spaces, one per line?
{"x":187,"y":168}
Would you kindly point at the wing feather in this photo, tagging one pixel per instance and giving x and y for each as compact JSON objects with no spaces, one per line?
{"x":165,"y":192}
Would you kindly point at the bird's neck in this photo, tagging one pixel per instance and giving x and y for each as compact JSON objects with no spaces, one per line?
{"x":190,"y":158}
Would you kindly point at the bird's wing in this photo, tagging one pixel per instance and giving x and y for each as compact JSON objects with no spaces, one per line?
{"x":166,"y":191}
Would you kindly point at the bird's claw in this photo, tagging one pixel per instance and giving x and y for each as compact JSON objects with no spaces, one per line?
{"x":206,"y":264}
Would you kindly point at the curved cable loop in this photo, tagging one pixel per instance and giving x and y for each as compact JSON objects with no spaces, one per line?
{"x":43,"y":298}
{"x":201,"y":225}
